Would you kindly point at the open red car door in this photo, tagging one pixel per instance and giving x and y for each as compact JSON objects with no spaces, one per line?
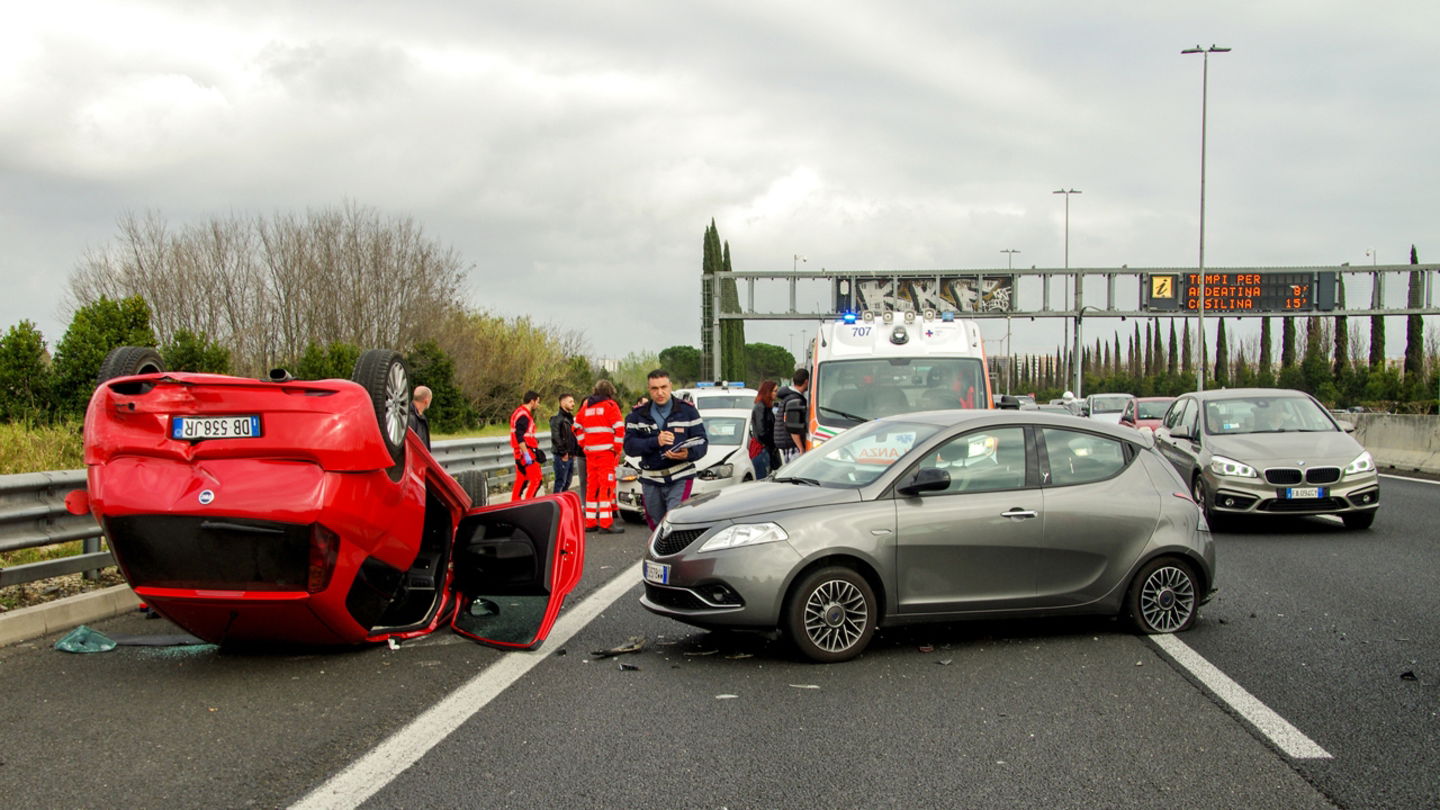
{"x":514,"y":564}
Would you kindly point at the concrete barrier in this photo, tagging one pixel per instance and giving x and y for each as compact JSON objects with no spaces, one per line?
{"x":1402,"y":441}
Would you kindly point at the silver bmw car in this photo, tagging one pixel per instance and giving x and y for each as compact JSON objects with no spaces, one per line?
{"x":940,"y":516}
{"x":1268,"y":451}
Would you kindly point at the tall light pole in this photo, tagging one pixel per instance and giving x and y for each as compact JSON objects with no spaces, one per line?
{"x":1075,"y":348}
{"x":795,"y":262}
{"x":1204,"y":101}
{"x":1009,"y":352}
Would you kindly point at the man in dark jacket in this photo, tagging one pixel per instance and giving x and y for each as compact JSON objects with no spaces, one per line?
{"x":563,"y":444}
{"x":419,"y":403}
{"x":792,"y":434}
{"x":668,"y":435}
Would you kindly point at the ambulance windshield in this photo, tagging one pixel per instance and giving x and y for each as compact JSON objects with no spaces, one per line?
{"x":848,"y":392}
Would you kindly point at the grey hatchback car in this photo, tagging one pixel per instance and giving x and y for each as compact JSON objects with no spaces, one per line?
{"x":1268,"y":451}
{"x":939,"y":516}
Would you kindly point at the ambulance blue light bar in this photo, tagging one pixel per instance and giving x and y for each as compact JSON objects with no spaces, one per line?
{"x":849,"y":317}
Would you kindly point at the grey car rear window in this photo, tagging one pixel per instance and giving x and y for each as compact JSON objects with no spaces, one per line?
{"x":1079,"y":458}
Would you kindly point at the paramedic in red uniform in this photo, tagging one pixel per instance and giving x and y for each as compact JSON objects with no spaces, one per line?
{"x":601,"y":430}
{"x":529,"y":458}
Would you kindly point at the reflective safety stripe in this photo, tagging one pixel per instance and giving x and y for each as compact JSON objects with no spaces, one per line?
{"x":678,"y":471}
{"x":691,"y":423}
{"x":602,"y":429}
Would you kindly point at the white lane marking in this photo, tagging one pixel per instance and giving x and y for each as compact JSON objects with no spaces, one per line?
{"x":367,"y":775}
{"x":1279,"y":731}
{"x":1406,"y":478}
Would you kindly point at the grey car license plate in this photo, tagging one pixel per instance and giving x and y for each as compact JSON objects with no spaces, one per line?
{"x":1305,"y":492}
{"x":658,"y":573}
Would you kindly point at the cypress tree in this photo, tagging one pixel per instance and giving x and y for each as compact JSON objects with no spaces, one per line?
{"x":1377,"y":339}
{"x":1415,"y":333}
{"x":1187,"y":350}
{"x":1265,"y":374}
{"x":1172,"y":362}
{"x":1287,"y":344}
{"x":1342,"y":338}
{"x":1222,"y":352}
{"x":732,"y":333}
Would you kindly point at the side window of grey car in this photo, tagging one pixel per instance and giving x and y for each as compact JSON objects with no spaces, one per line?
{"x":982,"y":460}
{"x":1079,"y":458}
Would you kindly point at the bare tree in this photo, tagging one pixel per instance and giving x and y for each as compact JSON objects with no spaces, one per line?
{"x":266,"y":288}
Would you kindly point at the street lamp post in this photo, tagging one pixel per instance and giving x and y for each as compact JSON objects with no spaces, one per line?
{"x":1079,"y":296}
{"x":1009,"y":352}
{"x":795,"y":262}
{"x":1204,"y":99}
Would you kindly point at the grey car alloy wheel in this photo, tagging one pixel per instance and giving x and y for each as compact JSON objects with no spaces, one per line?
{"x":1163,"y":599}
{"x":832,"y":614}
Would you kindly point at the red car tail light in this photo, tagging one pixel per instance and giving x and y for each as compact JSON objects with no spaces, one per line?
{"x":324,"y":548}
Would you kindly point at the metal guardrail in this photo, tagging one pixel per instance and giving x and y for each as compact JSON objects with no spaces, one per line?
{"x":33,"y":514}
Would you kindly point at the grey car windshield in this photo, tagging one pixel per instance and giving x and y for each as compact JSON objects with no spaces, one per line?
{"x":1265,"y":415}
{"x":851,"y":391}
{"x":1154,"y":410}
{"x":858,"y":456}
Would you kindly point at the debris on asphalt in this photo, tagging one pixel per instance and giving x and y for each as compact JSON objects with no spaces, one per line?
{"x":394,"y":643}
{"x":701,"y":652}
{"x":739,"y":656}
{"x":806,"y":685}
{"x":944,"y":662}
{"x":1409,"y":675}
{"x":726,"y":697}
{"x":560,"y":652}
{"x":1139,"y":663}
{"x":634,"y":644}
{"x":926,"y":648}
{"x":84,"y":640}
{"x":624,"y":667}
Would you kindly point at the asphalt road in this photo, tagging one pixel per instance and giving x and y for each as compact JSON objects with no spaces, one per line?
{"x":1320,"y":624}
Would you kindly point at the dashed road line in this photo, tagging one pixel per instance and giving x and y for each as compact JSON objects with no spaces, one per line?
{"x":367,"y":775}
{"x":1277,"y":729}
{"x":1407,"y":478}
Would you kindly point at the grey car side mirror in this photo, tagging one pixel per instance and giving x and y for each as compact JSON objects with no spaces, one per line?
{"x":929,"y":479}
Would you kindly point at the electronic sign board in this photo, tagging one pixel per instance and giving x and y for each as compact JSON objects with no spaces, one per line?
{"x":940,"y":293}
{"x":1240,"y":293}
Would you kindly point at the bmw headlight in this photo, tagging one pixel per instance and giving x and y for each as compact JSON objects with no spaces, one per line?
{"x":1362,"y":464}
{"x":716,"y":472}
{"x":1229,"y":466}
{"x":746,"y":534}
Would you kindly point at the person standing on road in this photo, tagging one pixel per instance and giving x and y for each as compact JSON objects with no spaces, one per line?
{"x":762,"y":429}
{"x":563,"y":444}
{"x":792,"y":412}
{"x":419,"y":403}
{"x":529,"y":473}
{"x":601,"y":430}
{"x":668,"y":436}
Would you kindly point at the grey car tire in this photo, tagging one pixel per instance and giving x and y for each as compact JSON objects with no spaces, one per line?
{"x":1359,"y":520}
{"x":382,"y":373}
{"x":831,"y":614}
{"x":1163,"y":597}
{"x":1202,"y":497}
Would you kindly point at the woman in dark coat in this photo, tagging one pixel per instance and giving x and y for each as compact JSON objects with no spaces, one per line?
{"x":762,"y":430}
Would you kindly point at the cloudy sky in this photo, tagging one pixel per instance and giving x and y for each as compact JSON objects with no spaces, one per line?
{"x":574,"y":153}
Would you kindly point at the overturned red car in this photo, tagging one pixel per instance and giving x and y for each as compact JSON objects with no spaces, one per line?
{"x":286,"y":511}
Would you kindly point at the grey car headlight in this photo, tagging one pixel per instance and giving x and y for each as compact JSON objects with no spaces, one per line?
{"x":716,"y":472}
{"x":1221,"y":465}
{"x":745,"y":534}
{"x":1362,"y":464}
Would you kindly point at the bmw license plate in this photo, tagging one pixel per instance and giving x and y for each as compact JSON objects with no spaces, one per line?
{"x":1305,"y":492}
{"x":196,"y":428}
{"x":658,"y":573}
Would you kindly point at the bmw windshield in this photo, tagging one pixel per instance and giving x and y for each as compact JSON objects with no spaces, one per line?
{"x":858,"y":456}
{"x":1280,"y":414}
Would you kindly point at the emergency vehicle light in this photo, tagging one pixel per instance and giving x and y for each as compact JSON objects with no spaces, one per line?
{"x":847,"y":317}
{"x":947,"y":317}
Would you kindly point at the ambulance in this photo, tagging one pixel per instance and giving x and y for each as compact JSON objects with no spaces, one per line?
{"x":872,"y":364}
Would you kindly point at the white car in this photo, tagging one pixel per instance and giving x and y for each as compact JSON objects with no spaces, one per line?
{"x":725,"y":463}
{"x":708,"y":396}
{"x":1107,"y":407}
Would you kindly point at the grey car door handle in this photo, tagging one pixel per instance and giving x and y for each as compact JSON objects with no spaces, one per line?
{"x":1019,"y":513}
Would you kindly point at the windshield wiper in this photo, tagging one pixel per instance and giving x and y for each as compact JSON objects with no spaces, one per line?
{"x":790,"y":479}
{"x":841,"y":414}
